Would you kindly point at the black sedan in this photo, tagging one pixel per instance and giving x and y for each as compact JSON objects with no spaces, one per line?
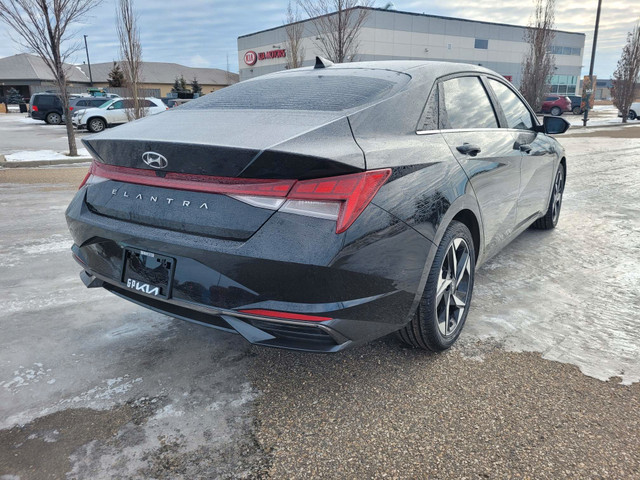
{"x":323,"y":207}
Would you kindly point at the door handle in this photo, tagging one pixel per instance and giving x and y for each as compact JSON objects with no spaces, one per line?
{"x":525,"y":148}
{"x":469,"y":149}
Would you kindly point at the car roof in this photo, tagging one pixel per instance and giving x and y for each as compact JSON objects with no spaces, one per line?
{"x":415,"y":68}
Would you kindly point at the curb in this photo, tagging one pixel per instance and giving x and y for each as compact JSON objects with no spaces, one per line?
{"x":606,"y":125}
{"x":42,"y":163}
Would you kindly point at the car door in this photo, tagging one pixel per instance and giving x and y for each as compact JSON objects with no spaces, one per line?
{"x":537,"y":150}
{"x":486,"y":152}
{"x":117,"y":112}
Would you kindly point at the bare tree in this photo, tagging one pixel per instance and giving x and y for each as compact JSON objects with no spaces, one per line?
{"x":539,"y":63}
{"x":294,"y":30}
{"x":130,"y":57}
{"x":626,"y":75}
{"x":43,"y":27}
{"x":337,"y":24}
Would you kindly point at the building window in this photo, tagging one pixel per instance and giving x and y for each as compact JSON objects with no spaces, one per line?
{"x":483,"y":44}
{"x":556,"y":50}
{"x":563,"y":84}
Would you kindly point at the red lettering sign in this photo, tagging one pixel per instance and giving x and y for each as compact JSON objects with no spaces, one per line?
{"x":266,"y":55}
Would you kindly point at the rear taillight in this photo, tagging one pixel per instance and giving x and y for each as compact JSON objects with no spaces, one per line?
{"x":34,"y":108}
{"x":342,"y":198}
{"x":91,"y":178}
{"x":70,"y":109}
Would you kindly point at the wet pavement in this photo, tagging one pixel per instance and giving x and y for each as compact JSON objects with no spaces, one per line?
{"x":94,"y":387}
{"x":20,"y":132}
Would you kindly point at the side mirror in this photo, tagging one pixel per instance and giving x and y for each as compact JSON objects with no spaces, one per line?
{"x":554,"y":125}
{"x":111,"y":107}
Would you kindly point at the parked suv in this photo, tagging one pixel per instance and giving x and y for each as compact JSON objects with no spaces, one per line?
{"x":47,"y":107}
{"x":82,"y":103}
{"x":113,"y":112}
{"x":634,"y":111}
{"x":576,"y":104}
{"x":556,"y":105}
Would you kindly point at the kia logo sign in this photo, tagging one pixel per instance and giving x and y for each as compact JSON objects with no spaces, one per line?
{"x":155,"y":160}
{"x":250,"y":58}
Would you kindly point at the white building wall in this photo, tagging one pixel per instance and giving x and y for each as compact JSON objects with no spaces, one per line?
{"x":391,"y":35}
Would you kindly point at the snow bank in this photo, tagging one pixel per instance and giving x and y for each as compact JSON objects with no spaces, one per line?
{"x":29,"y":156}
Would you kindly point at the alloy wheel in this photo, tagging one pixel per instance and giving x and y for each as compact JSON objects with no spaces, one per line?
{"x":558,"y":188}
{"x":97,"y":125}
{"x":453,"y":287}
{"x":54,"y":119}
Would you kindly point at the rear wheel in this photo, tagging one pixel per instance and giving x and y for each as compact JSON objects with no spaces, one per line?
{"x":556,"y":111}
{"x":53,"y":118}
{"x":447,"y":295}
{"x":95,"y":125}
{"x":577,"y":110}
{"x":550,"y":219}
{"x":632,"y":115}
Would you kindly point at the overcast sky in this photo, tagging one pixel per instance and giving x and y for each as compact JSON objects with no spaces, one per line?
{"x":201,"y":33}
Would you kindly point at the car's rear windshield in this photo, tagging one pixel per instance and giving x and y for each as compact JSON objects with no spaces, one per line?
{"x":304,"y":91}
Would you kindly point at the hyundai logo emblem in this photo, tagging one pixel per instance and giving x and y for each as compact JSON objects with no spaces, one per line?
{"x":155,"y":160}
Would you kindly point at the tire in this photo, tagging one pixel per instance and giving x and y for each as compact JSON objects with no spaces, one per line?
{"x":576,"y":110}
{"x":556,"y":111}
{"x":53,"y":118}
{"x":430,"y":329}
{"x":632,"y":115}
{"x":550,"y":218}
{"x":95,"y":125}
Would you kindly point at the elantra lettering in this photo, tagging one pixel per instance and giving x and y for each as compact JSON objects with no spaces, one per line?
{"x":154,"y":199}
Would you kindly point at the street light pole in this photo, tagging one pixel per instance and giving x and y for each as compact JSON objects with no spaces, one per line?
{"x":88,"y":61}
{"x":593,"y":58}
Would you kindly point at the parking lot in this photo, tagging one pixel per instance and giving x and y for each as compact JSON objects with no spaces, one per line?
{"x":20,"y":133}
{"x":544,"y":382}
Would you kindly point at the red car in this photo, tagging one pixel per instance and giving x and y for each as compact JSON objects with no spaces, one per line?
{"x":556,"y":105}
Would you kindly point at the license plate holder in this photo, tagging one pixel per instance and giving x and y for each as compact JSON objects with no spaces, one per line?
{"x":147,"y":272}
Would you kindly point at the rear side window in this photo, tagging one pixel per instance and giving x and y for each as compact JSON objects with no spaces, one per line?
{"x":334,"y":91}
{"x":97,"y":103}
{"x":515,"y":111}
{"x":45,"y":100}
{"x":81,"y":103}
{"x":466,"y":105}
{"x":551,"y":99}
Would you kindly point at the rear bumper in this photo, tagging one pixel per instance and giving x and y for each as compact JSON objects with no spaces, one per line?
{"x":364,"y":280}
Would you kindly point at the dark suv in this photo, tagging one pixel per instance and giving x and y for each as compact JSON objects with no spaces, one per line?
{"x":576,"y":104}
{"x":47,"y":107}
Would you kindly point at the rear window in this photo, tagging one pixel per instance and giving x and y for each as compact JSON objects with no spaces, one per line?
{"x":310,"y":91}
{"x":46,"y":100}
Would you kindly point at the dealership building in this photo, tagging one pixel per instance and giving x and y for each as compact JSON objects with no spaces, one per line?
{"x":394,"y":35}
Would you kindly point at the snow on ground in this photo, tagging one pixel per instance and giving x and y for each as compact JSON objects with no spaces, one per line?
{"x":31,"y":120}
{"x":29,"y":156}
{"x":573,"y":293}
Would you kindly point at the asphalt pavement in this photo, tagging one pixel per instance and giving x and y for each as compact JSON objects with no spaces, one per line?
{"x":542,"y":384}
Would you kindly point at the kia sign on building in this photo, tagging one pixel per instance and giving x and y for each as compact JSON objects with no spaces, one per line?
{"x":251,"y":57}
